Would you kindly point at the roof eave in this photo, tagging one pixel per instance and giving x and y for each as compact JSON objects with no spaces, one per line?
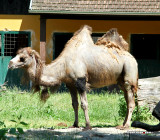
{"x":95,"y":13}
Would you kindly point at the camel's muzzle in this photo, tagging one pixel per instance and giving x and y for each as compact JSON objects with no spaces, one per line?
{"x":13,"y":66}
{"x":10,"y":66}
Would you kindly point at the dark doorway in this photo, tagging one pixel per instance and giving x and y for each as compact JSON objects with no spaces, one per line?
{"x":60,"y":39}
{"x":146,"y":49}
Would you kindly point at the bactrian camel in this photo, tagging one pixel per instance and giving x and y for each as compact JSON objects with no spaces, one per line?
{"x":83,"y":65}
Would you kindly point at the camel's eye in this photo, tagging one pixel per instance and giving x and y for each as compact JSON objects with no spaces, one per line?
{"x":21,"y":59}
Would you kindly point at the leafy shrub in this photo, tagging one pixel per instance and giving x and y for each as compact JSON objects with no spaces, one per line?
{"x":14,"y":131}
{"x":140,"y":113}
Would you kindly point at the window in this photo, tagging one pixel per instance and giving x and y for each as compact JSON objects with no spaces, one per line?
{"x":10,"y":42}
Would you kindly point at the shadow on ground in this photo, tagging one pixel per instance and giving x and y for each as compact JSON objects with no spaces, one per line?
{"x":94,"y":134}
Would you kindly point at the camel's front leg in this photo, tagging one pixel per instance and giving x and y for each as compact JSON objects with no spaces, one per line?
{"x":81,"y":87}
{"x":75,"y":104}
{"x":84,"y":105}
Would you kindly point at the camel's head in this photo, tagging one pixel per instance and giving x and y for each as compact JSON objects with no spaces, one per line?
{"x":24,"y":59}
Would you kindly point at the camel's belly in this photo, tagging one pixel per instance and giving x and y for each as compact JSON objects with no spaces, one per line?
{"x":103,"y":79}
{"x":104,"y":73}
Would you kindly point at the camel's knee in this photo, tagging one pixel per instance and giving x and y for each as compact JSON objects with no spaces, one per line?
{"x":130,"y":99}
{"x":127,"y":86}
{"x":84,"y":105}
{"x":130,"y":87}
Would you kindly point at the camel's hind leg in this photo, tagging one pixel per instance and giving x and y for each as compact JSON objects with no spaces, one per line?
{"x":75,"y":104}
{"x":130,"y":100}
{"x":128,"y":82}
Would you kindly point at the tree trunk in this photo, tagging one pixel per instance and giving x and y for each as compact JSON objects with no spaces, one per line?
{"x":149,"y":92}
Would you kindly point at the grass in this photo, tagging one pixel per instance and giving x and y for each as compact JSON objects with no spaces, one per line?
{"x":104,"y":110}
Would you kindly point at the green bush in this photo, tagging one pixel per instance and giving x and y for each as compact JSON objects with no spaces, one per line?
{"x":140,"y":113}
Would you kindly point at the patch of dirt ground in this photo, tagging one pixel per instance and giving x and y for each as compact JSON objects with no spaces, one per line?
{"x":94,"y":134}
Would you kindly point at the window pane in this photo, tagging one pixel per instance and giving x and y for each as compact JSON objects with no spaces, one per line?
{"x":13,"y":42}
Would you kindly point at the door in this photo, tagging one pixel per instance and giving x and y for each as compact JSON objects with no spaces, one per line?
{"x":146,"y":49}
{"x":10,"y":42}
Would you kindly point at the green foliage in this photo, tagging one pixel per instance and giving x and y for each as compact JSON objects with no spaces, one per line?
{"x":19,"y":122}
{"x":2,"y":124}
{"x":122,"y":107}
{"x":14,"y":131}
{"x":3,"y":132}
{"x":140,"y":113}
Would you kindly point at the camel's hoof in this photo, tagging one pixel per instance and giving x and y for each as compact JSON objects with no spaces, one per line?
{"x":87,"y":128}
{"x":73,"y":126}
{"x":121,"y":127}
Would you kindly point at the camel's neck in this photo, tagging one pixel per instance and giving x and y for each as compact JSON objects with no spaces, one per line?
{"x":47,"y":75}
{"x":32,"y":71}
{"x":53,"y":73}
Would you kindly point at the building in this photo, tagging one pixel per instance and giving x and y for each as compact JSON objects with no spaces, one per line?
{"x":46,"y":25}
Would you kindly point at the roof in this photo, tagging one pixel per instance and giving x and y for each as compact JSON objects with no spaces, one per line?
{"x":108,"y":7}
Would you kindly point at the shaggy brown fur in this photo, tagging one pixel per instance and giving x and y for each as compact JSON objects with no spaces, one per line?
{"x":39,"y":67}
{"x":113,"y":39}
